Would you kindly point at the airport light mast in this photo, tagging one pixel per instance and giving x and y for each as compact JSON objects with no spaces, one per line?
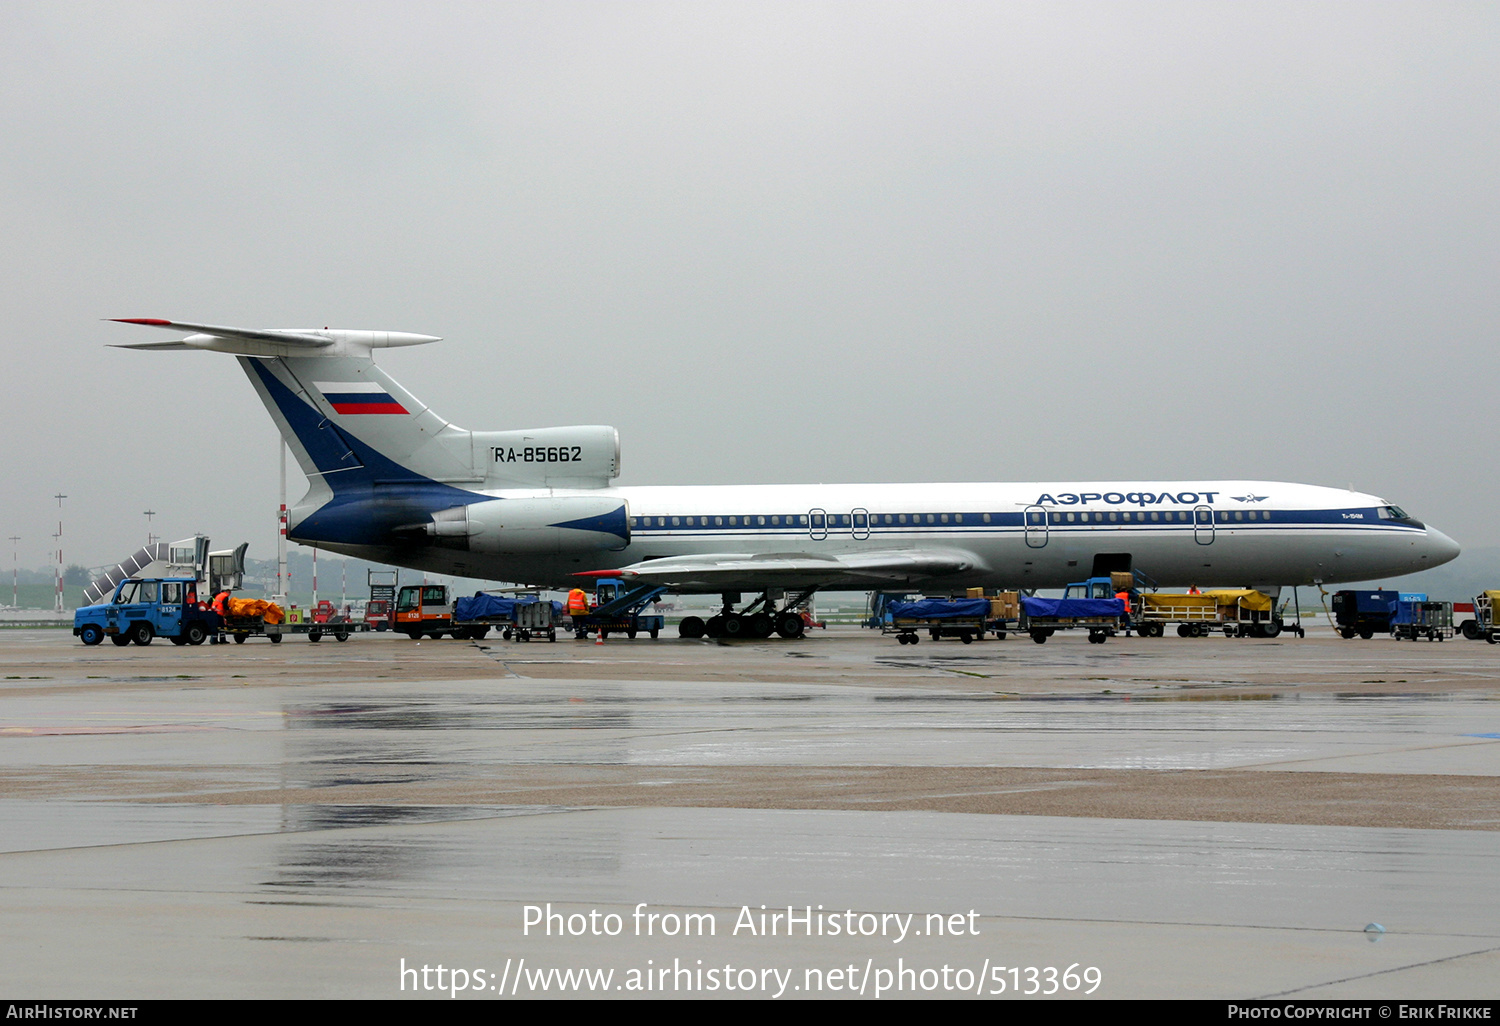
{"x":150,"y":538}
{"x":57,"y":604}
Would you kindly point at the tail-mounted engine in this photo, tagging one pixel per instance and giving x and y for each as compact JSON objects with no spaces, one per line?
{"x":536,"y":526}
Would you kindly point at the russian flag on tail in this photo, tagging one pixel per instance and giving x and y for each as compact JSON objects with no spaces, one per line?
{"x":358,"y":397}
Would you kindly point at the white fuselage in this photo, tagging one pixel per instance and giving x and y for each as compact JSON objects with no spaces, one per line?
{"x":1042,"y":535}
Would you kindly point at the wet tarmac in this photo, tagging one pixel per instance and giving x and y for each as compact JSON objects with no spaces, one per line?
{"x":1195,"y":818}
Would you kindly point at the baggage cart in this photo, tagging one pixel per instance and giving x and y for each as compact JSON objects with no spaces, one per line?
{"x":1102,"y":618}
{"x":1417,"y":618}
{"x":537,"y":617}
{"x":240,"y":629}
{"x":965,"y":619}
{"x":1194,"y":615}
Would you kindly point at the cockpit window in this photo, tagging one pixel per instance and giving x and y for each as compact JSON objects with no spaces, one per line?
{"x":1393,"y":513}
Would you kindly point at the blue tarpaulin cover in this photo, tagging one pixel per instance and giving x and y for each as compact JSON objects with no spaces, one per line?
{"x":484,"y":607}
{"x":1068,"y":608}
{"x":493,"y":607}
{"x":941,"y":609}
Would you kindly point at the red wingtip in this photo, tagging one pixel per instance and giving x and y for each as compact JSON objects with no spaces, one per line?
{"x":599,"y":573}
{"x":142,"y":320}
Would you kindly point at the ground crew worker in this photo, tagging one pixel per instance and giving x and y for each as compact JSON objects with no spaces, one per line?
{"x":1124,"y":596}
{"x":578,"y":602}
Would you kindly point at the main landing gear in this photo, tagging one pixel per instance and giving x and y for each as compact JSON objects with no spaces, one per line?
{"x":760,"y":619}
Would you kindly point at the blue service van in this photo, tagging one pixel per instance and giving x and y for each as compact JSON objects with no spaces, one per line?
{"x":143,"y":609}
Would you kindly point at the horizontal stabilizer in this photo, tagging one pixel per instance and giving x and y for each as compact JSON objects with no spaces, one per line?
{"x":269,"y":343}
{"x":152,"y":345}
{"x":296,"y":338}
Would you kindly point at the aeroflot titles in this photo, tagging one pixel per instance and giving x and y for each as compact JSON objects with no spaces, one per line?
{"x":1119,"y":498}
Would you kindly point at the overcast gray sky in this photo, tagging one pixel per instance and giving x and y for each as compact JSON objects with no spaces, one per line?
{"x":767,"y":241}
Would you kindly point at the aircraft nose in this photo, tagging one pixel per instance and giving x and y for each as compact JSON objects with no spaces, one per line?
{"x":1439,"y":548}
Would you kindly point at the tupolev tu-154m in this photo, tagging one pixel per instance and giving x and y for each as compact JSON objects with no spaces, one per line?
{"x":391,"y":481}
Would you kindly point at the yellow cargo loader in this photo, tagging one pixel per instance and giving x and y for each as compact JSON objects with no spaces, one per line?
{"x":1237,"y":612}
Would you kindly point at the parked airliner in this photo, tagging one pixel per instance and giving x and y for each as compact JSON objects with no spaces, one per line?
{"x":391,"y":481}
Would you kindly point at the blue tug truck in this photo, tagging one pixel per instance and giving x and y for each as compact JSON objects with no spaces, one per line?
{"x":143,"y":609}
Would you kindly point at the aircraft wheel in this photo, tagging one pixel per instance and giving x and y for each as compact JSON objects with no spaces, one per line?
{"x":714,"y":628}
{"x":141,"y":633}
{"x":239,"y":639}
{"x":790,"y":626}
{"x":120,"y":640}
{"x":691,"y":627}
{"x":761,"y":625}
{"x":733,"y":626}
{"x":91,"y":634}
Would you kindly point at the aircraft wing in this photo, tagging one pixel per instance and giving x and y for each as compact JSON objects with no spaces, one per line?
{"x":754,"y":571}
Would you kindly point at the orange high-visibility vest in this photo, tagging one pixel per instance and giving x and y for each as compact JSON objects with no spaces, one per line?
{"x":578,"y":602}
